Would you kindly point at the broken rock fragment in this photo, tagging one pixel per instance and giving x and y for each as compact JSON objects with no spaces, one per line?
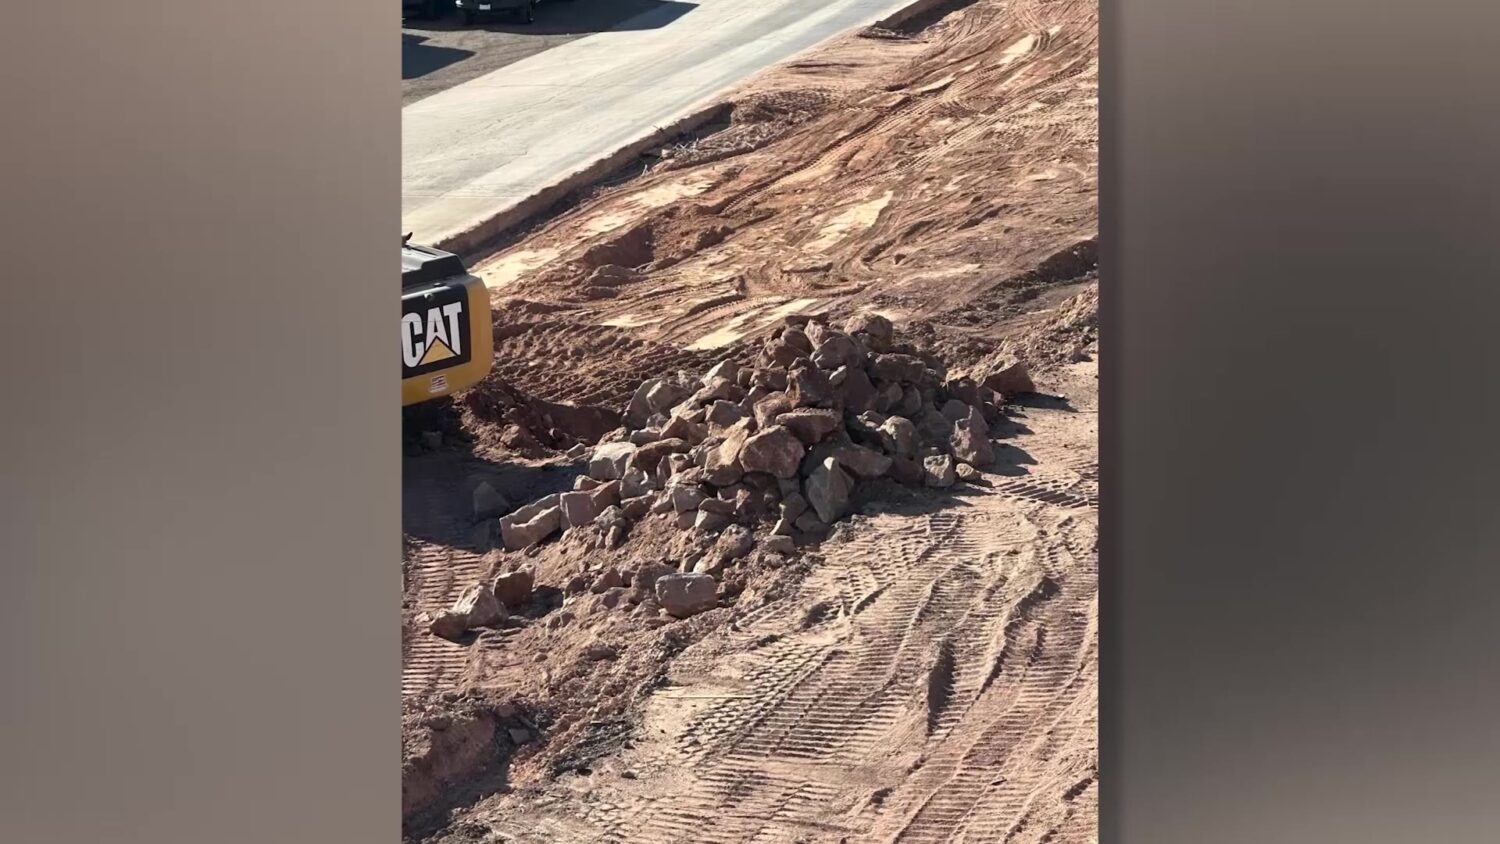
{"x":611,"y":460}
{"x":939,"y":471}
{"x":810,"y":425}
{"x":828,"y":490}
{"x":513,"y":589}
{"x":684,"y":595}
{"x":775,"y":451}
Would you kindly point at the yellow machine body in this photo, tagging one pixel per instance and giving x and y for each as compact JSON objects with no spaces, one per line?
{"x":447,"y":342}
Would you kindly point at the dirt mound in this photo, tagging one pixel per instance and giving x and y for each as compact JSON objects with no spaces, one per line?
{"x":923,"y":664}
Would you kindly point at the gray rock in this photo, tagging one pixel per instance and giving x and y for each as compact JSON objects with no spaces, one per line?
{"x":647,"y":456}
{"x":911,"y":402}
{"x":898,"y":436}
{"x":647,"y":575}
{"x":968,"y":474}
{"x":809,"y":523}
{"x":653,"y":396}
{"x":683,"y":427}
{"x":488,"y":502}
{"x":734,"y":543}
{"x":899,"y":368}
{"x":516,"y":535}
{"x":478,"y":606}
{"x":513,"y":589}
{"x":634,"y":483}
{"x":722,"y":466}
{"x":810,"y":425}
{"x":808,"y":386}
{"x":636,"y":507}
{"x":685,"y":497}
{"x":726,"y":369}
{"x":775,"y":451}
{"x":1010,"y":379}
{"x":611,"y":460}
{"x":828,"y":489}
{"x":722,"y":414}
{"x":908,"y":470}
{"x":938,"y":470}
{"x":797,"y":339}
{"x":835,"y":351}
{"x":970,"y":440}
{"x":449,"y":625}
{"x":719,"y":389}
{"x":579,"y":508}
{"x":858,"y":460}
{"x":857,"y":390}
{"x":793,"y":505}
{"x":877,"y":330}
{"x":770,"y":407}
{"x":954,"y":410}
{"x":777,"y":544}
{"x":710,"y":522}
{"x":684,"y":595}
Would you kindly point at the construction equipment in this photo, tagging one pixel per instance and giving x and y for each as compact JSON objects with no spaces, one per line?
{"x":447,"y":340}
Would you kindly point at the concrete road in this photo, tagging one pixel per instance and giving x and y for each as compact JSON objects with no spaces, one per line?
{"x":480,"y":147}
{"x":438,"y":54}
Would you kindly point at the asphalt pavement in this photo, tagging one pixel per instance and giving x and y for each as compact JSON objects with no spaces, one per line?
{"x":481,"y":145}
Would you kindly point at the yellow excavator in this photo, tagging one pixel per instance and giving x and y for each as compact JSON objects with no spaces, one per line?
{"x":447,"y":342}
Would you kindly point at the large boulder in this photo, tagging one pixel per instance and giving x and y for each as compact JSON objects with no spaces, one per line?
{"x":726,"y":369}
{"x":767,"y":409}
{"x":722,"y":414}
{"x":647,"y":456}
{"x":898,"y":436}
{"x":835,"y":351}
{"x":721,"y":465}
{"x":579,"y":508}
{"x":970,"y":440}
{"x":828,"y":490}
{"x":513,"y":589}
{"x":488,"y":502}
{"x":656,"y":395}
{"x":478,"y":606}
{"x":683,"y":595}
{"x":450,"y":625}
{"x":775,"y":451}
{"x":1010,"y":379}
{"x":856,"y":390}
{"x":898,"y":368}
{"x":876,"y":331}
{"x":809,"y":386}
{"x":855,"y":459}
{"x":531,"y":524}
{"x":610,"y":460}
{"x":810,"y":425}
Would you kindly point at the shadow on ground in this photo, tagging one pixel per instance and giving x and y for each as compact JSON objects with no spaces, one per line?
{"x":419,"y":59}
{"x":569,"y":17}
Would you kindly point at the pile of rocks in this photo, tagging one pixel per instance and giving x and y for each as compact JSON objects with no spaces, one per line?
{"x":782,"y":441}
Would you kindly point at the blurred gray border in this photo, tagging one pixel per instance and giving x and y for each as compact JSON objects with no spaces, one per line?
{"x":1300,"y":437}
{"x":201,"y":458}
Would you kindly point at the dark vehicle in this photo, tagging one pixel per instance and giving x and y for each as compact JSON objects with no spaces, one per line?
{"x":523,"y":11}
{"x":425,"y":9}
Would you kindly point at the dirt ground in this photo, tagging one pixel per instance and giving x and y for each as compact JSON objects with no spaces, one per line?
{"x":927,"y":673}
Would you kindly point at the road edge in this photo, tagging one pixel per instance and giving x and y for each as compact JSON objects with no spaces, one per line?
{"x":473,"y":239}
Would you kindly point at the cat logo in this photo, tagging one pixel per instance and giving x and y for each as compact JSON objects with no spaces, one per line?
{"x":434,"y":338}
{"x":434,"y":331}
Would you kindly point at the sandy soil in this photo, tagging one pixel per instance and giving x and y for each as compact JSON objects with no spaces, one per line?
{"x":928,"y":673}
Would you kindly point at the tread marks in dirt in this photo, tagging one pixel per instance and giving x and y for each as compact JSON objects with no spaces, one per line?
{"x":967,"y":637}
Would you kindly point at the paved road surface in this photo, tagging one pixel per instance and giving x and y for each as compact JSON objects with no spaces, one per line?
{"x":439,"y":54}
{"x":475,"y":149}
